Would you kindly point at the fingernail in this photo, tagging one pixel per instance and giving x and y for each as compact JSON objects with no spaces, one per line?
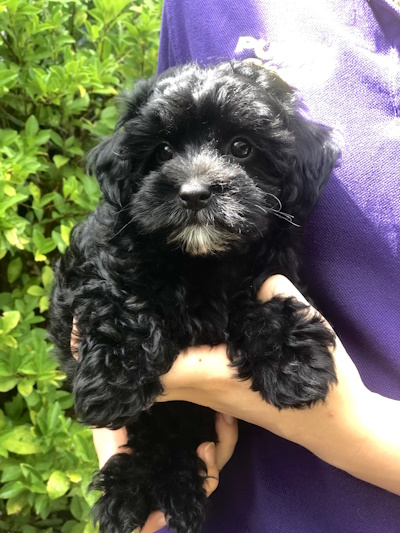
{"x":228,"y":419}
{"x":209,"y":453}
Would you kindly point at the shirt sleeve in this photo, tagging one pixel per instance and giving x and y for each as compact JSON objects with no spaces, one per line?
{"x":166,"y":54}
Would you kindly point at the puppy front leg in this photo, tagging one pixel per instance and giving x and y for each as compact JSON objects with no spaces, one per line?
{"x":119,"y":369}
{"x":285,"y":350}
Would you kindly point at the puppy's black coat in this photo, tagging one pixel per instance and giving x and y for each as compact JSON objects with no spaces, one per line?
{"x":207,"y":183}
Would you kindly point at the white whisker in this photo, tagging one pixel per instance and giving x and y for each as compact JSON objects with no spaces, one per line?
{"x":122,"y":229}
{"x":257,"y":228}
{"x":278,"y":212}
{"x":276,"y":198}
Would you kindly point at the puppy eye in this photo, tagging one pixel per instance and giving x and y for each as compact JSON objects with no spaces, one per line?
{"x":240,"y":149}
{"x":164,"y":152}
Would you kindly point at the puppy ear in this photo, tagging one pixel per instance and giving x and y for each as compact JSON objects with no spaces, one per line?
{"x":133,"y":100}
{"x":313,"y":158}
{"x":308,"y":154}
{"x":105,"y":161}
{"x":110,"y":170}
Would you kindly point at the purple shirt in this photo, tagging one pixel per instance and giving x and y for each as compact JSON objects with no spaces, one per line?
{"x":344,"y":58}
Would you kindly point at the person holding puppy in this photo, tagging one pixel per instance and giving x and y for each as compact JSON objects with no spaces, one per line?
{"x":343,"y":57}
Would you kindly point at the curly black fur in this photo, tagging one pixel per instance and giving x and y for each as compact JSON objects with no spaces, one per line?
{"x":207,"y":183}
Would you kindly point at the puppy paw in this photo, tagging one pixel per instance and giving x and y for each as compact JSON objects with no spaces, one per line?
{"x":184,"y":501}
{"x":125,"y":502}
{"x":133,"y":486}
{"x":110,"y":394}
{"x":285,"y":351}
{"x":187,"y":520}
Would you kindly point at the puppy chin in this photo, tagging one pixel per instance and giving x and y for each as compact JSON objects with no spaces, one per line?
{"x":203,"y":240}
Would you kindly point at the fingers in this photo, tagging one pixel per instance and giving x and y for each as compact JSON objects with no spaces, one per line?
{"x":74,"y":342}
{"x":228,"y":433}
{"x":155,"y":522}
{"x":108,"y":442}
{"x":216,"y":456}
{"x":207,"y":452}
{"x":279,"y":285}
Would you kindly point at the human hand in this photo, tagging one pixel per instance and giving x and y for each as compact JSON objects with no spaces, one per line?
{"x":108,"y":442}
{"x":353,"y":429}
{"x":203,"y":375}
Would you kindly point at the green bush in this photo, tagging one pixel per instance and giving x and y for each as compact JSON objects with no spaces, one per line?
{"x":61,"y":65}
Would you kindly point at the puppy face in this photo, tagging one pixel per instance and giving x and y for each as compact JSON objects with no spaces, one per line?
{"x":210,"y":159}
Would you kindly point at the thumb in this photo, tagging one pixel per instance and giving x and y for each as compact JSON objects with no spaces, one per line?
{"x":155,"y":522}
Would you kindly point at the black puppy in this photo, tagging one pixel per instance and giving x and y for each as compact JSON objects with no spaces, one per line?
{"x":207,"y":183}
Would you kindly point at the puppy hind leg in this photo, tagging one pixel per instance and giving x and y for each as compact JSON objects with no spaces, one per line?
{"x":125,"y":502}
{"x":178,"y":491}
{"x":285,"y":351}
{"x":135,"y":485}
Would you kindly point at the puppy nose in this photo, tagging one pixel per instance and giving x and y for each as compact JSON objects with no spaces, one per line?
{"x":194,"y":195}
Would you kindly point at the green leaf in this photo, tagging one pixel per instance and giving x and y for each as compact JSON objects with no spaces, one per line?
{"x":42,"y":137}
{"x":73,"y":107}
{"x":8,"y":190}
{"x":17,"y":503}
{"x":70,"y":185}
{"x":47,"y":198}
{"x":65,"y":231}
{"x":14,"y":269}
{"x":59,"y":74}
{"x":21,"y":441}
{"x":69,"y":527}
{"x":35,"y":192}
{"x":7,"y":77}
{"x":35,"y":290}
{"x":12,"y":489}
{"x":11,"y":473}
{"x":90,"y":528}
{"x":47,"y":277}
{"x":53,"y":416}
{"x":56,"y":138}
{"x":57,"y":485}
{"x":25,"y":387}
{"x":44,"y":304}
{"x":73,"y":475}
{"x":29,"y":10}
{"x":79,"y":508}
{"x":42,"y":505}
{"x":65,"y":399}
{"x":8,"y":202}
{"x":43,"y":244}
{"x":31,"y":126}
{"x":29,"y":529}
{"x":60,"y":160}
{"x":10,"y":320}
{"x":7,"y":384}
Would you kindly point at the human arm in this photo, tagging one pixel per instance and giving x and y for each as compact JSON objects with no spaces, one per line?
{"x":354,"y":429}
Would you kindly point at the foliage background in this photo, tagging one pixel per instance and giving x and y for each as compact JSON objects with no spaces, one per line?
{"x":61,"y":65}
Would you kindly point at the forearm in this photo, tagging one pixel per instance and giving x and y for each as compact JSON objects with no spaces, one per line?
{"x":375,"y":444}
{"x":354,"y":429}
